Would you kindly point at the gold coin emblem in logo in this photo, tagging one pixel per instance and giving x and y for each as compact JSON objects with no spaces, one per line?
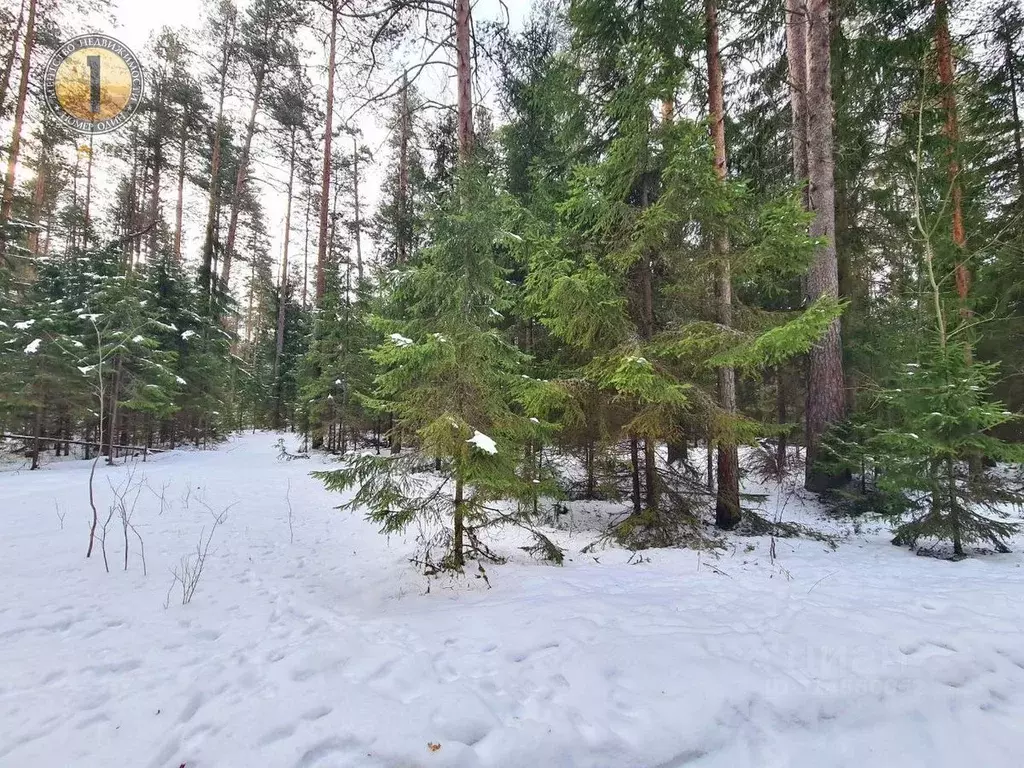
{"x":93,"y":84}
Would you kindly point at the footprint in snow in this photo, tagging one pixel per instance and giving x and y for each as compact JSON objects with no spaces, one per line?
{"x":193,"y":705}
{"x":317,"y":713}
{"x":277,"y":734}
{"x":53,"y":677}
{"x":519,"y":656}
{"x":304,"y":673}
{"x":930,"y":647}
{"x":318,"y":756}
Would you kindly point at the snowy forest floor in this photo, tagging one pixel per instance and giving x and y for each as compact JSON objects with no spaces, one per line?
{"x":318,"y":645}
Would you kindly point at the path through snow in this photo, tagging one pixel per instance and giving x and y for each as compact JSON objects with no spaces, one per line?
{"x":326,"y":652}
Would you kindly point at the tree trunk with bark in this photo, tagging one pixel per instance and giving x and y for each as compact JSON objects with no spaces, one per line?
{"x":458,"y":542}
{"x":207,"y":273}
{"x":72,"y":238}
{"x":129,"y":224}
{"x":634,"y":471}
{"x":115,"y":394}
{"x":651,"y":473}
{"x":464,"y":73}
{"x":1018,"y":145}
{"x":358,"y":223}
{"x":727,"y":502}
{"x":951,"y":130}
{"x":325,"y":177}
{"x":38,"y":197}
{"x":140,"y":215}
{"x":179,"y":208}
{"x":464,"y":76}
{"x":403,"y":174}
{"x":283,"y":295}
{"x":87,"y":224}
{"x":796,"y":56}
{"x":240,"y":178}
{"x":590,"y":483}
{"x":305,"y":247}
{"x":5,"y":82}
{"x":780,"y":416}
{"x":646,"y":278}
{"x":7,"y":203}
{"x":37,"y":431}
{"x":154,"y":200}
{"x":711,"y":465}
{"x":826,"y":389}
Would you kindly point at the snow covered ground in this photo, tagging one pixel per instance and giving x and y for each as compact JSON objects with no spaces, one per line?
{"x":319,"y":646}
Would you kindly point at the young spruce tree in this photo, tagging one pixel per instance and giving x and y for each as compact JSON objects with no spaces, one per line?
{"x":450,"y":380}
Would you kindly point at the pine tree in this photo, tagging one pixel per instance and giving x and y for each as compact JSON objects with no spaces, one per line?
{"x":826,"y":386}
{"x":201,"y":349}
{"x":919,"y":439}
{"x":333,"y":9}
{"x":398,"y":226}
{"x":44,"y":375}
{"x":450,"y":380}
{"x":623,"y":277}
{"x":132,"y":371}
{"x":267,"y":49}
{"x":221,"y":29}
{"x":935,"y":416}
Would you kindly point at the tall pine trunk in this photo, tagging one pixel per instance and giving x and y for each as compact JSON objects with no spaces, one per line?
{"x":129,"y":224}
{"x":72,"y":238}
{"x":826,"y":390}
{"x":305,"y":247}
{"x":796,"y":55}
{"x":357,"y":224}
{"x":646,"y":276}
{"x":7,"y":203}
{"x":248,"y":313}
{"x":179,"y":208}
{"x":403,"y":175}
{"x":464,"y":74}
{"x":154,"y":200}
{"x":283,"y":295}
{"x":1018,"y":145}
{"x":240,"y":178}
{"x":464,"y":77}
{"x":206,"y":276}
{"x":325,"y":177}
{"x":87,"y":223}
{"x":947,"y":77}
{"x":141,"y":213}
{"x":5,"y":76}
{"x":727,"y":502}
{"x":39,"y":197}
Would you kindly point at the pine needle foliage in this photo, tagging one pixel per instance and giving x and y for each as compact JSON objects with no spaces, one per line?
{"x":923,"y":440}
{"x":452,"y":381}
